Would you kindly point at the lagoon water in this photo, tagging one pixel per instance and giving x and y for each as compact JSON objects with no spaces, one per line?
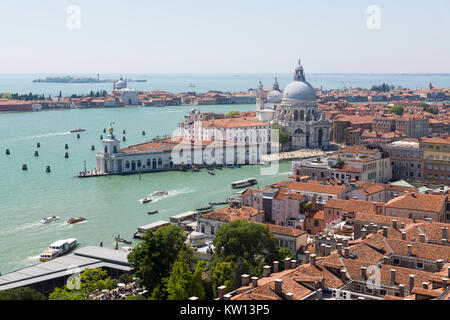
{"x":110,"y":204}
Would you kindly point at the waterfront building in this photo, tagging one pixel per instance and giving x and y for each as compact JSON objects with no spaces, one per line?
{"x":129,"y":97}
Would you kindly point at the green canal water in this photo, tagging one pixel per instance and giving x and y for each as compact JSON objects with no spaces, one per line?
{"x":110,"y":204}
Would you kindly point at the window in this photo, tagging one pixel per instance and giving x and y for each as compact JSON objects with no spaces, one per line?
{"x":396,"y":261}
{"x":127,"y":164}
{"x":419,"y":265}
{"x":316,"y":223}
{"x":159,"y":162}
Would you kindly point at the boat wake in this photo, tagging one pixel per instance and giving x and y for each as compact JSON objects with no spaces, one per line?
{"x":171,"y":193}
{"x":45,"y":135}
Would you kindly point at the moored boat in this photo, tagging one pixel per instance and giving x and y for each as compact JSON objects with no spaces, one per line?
{"x":58,"y":248}
{"x":159,"y":193}
{"x":212,"y":173}
{"x":152,"y":212}
{"x":77,"y":130}
{"x":119,"y":239}
{"x":49,"y":219}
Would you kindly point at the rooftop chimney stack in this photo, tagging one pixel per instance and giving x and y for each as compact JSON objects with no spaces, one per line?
{"x":347,"y":252}
{"x":344,"y":275}
{"x":322,"y":249}
{"x":393,"y":272}
{"x":293,"y":264}
{"x":312,"y":259}
{"x":403,"y":235}
{"x":440,"y":263}
{"x":307,"y":253}
{"x":444,"y":282}
{"x":422,"y":237}
{"x":327,"y":250}
{"x":429,"y":220}
{"x":385,"y":260}
{"x":448,"y":272}
{"x":411,"y":282}
{"x":287,"y":263}
{"x":402,"y":225}
{"x":394,"y":223}
{"x":445,"y":233}
{"x":409,"y":249}
{"x":363,"y":233}
{"x":266,"y":271}
{"x":245,"y":280}
{"x":276,"y":267}
{"x":289,"y":296}
{"x":385,"y":231}
{"x":401,"y":288}
{"x":278,"y":286}
{"x":425,"y":285}
{"x":363,"y":273}
{"x":222,"y":290}
{"x":339,"y":248}
{"x":254,"y":282}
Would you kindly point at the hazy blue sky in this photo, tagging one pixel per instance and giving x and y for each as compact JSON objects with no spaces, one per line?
{"x":227,"y":36}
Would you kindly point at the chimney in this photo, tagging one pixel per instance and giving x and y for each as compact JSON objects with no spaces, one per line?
{"x":422,"y":237}
{"x":445,"y":233}
{"x":363,"y":273}
{"x":254,"y":282}
{"x":327,"y":250}
{"x":394,"y":223}
{"x":385,"y":231}
{"x":278,"y":286}
{"x":322,"y":249}
{"x":222,"y":290}
{"x":393,"y":271}
{"x":287,"y":263}
{"x":312,"y":260}
{"x":293,"y":264}
{"x":409,"y":249}
{"x":385,"y":260}
{"x":266,"y":271}
{"x":245,"y":280}
{"x":276,"y":267}
{"x":403,"y":235}
{"x":307,"y":253}
{"x":429,"y":220}
{"x":402,"y":225}
{"x":344,"y":275}
{"x":411,"y":282}
{"x":440,"y":264}
{"x":339,"y":248}
{"x":289,"y":296}
{"x":363,"y":233}
{"x":448,"y":272}
{"x":347,"y":252}
{"x":425,"y":285}
{"x":444,"y":282}
{"x":401,"y":288}
{"x":227,"y":296}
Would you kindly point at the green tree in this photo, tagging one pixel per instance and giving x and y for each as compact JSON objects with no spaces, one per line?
{"x":222,"y":275}
{"x":284,"y":253}
{"x":154,"y":257}
{"x":248,"y":240}
{"x":90,"y":282}
{"x":240,"y":268}
{"x":233,"y":114}
{"x":25,"y":293}
{"x":398,"y":110}
{"x":283,"y":137}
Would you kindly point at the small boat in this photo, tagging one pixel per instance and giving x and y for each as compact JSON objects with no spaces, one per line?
{"x":138,"y":235}
{"x":49,"y":219}
{"x":218,"y":203}
{"x":145,"y":200}
{"x":159,"y":193}
{"x":236,"y":165}
{"x":77,"y":130}
{"x":230,"y":167}
{"x":119,"y":239}
{"x":212,"y":173}
{"x":127,"y":249}
{"x":76,"y":220}
{"x":205,"y":208}
{"x":58,"y":248}
{"x":152,"y":212}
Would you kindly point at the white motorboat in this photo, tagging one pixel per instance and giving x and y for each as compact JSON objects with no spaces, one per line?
{"x":159,"y":193}
{"x":49,"y":219}
{"x":145,"y":200}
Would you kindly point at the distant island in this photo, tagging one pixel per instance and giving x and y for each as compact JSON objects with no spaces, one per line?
{"x":70,"y":79}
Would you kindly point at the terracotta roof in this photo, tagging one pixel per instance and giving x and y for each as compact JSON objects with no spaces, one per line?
{"x":283,"y":230}
{"x":228,"y":214}
{"x":418,"y":202}
{"x":353,"y":205}
{"x":316,"y":188}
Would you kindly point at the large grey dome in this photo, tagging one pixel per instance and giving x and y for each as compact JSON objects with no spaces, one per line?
{"x":274,"y":96}
{"x":299,"y":90}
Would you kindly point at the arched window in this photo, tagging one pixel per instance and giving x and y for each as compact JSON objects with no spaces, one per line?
{"x":154,"y":164}
{"x":302,"y":115}
{"x":127,"y":164}
{"x":296,"y":115}
{"x":159,"y":162}
{"x":149,"y":163}
{"x":139,"y":163}
{"x":114,"y":149}
{"x":106,"y":149}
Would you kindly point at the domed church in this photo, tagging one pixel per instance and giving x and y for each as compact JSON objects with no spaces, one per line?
{"x":296,"y":112}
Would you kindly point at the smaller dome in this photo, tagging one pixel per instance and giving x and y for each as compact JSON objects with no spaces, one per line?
{"x":274,"y":96}
{"x":120,"y":84}
{"x":196,"y":235}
